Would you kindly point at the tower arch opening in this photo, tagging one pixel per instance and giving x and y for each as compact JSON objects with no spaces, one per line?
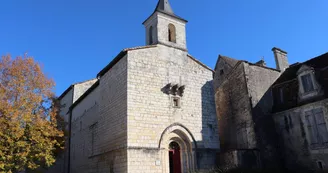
{"x":172,"y":33}
{"x":150,"y":35}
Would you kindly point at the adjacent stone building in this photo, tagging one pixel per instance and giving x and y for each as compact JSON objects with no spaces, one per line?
{"x":273,"y":118}
{"x":243,"y":106}
{"x":151,"y":109}
{"x":301,"y":113}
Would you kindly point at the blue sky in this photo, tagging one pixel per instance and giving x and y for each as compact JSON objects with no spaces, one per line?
{"x":75,"y":39}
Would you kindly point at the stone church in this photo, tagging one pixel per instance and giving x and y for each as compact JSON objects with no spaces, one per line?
{"x":151,"y":109}
{"x":157,"y":109}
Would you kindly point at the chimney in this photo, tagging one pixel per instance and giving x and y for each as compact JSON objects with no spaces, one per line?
{"x":261,"y":63}
{"x":281,"y":59}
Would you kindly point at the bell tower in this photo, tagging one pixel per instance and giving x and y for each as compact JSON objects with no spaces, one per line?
{"x":164,"y":27}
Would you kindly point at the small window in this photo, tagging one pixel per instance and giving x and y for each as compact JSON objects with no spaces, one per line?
{"x":94,"y":135}
{"x":176,"y":102}
{"x":320,"y":165}
{"x":307,"y":83}
{"x":172,"y":33}
{"x":221,"y":72}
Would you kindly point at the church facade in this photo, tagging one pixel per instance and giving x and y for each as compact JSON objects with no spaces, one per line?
{"x":151,"y":109}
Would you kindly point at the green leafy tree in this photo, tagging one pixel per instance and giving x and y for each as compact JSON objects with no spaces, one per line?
{"x":30,"y":126}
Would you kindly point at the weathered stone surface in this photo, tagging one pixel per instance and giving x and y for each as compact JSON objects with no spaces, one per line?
{"x":99,"y":125}
{"x":295,"y":137}
{"x":243,"y":104}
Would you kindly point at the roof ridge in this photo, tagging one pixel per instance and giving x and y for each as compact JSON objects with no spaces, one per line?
{"x":84,"y":81}
{"x":139,"y":47}
{"x":199,"y":62}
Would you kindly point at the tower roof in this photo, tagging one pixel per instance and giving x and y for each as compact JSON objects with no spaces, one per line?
{"x":164,"y":6}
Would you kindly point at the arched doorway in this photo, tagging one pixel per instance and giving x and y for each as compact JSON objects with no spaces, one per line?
{"x":174,"y":158}
{"x":179,"y":150}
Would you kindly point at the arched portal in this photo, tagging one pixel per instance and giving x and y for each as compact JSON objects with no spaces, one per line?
{"x":179,"y":150}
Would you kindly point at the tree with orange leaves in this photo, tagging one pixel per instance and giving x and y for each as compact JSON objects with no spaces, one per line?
{"x":30,"y":127}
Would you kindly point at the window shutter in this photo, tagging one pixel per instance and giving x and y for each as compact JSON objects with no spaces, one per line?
{"x":311,"y":127}
{"x":321,"y":124}
{"x":307,"y":83}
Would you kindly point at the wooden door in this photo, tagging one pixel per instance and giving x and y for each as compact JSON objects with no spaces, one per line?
{"x":175,"y":161}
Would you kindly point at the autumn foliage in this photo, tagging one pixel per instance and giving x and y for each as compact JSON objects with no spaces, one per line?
{"x":30,"y":130}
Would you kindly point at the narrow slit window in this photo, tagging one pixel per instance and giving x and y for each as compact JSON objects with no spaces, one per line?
{"x":176,"y":102}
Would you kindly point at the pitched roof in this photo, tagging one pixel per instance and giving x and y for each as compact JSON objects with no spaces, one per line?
{"x":119,"y":57}
{"x":71,"y":86}
{"x":124,"y":51}
{"x":231,"y":61}
{"x":200,"y":63}
{"x":318,"y":62}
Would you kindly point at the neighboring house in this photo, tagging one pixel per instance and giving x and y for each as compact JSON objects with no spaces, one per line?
{"x":243,"y":106}
{"x":301,"y":113}
{"x":273,"y":118}
{"x":151,"y":108}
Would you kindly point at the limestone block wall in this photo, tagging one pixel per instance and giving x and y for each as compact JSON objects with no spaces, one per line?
{"x":233,"y":107}
{"x":259,"y":81}
{"x":151,"y":112}
{"x":295,"y":137}
{"x":218,"y":78}
{"x":152,"y":22}
{"x":65,"y":102}
{"x":160,"y":23}
{"x":162,"y":27}
{"x":99,"y":129}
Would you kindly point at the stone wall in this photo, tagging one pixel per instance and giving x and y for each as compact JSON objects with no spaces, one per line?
{"x":219,"y":78}
{"x":244,"y":104}
{"x":162,"y":26}
{"x":294,"y":135}
{"x":259,"y":81}
{"x":234,"y":112}
{"x":153,"y":120}
{"x":160,"y":23}
{"x":99,"y":129}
